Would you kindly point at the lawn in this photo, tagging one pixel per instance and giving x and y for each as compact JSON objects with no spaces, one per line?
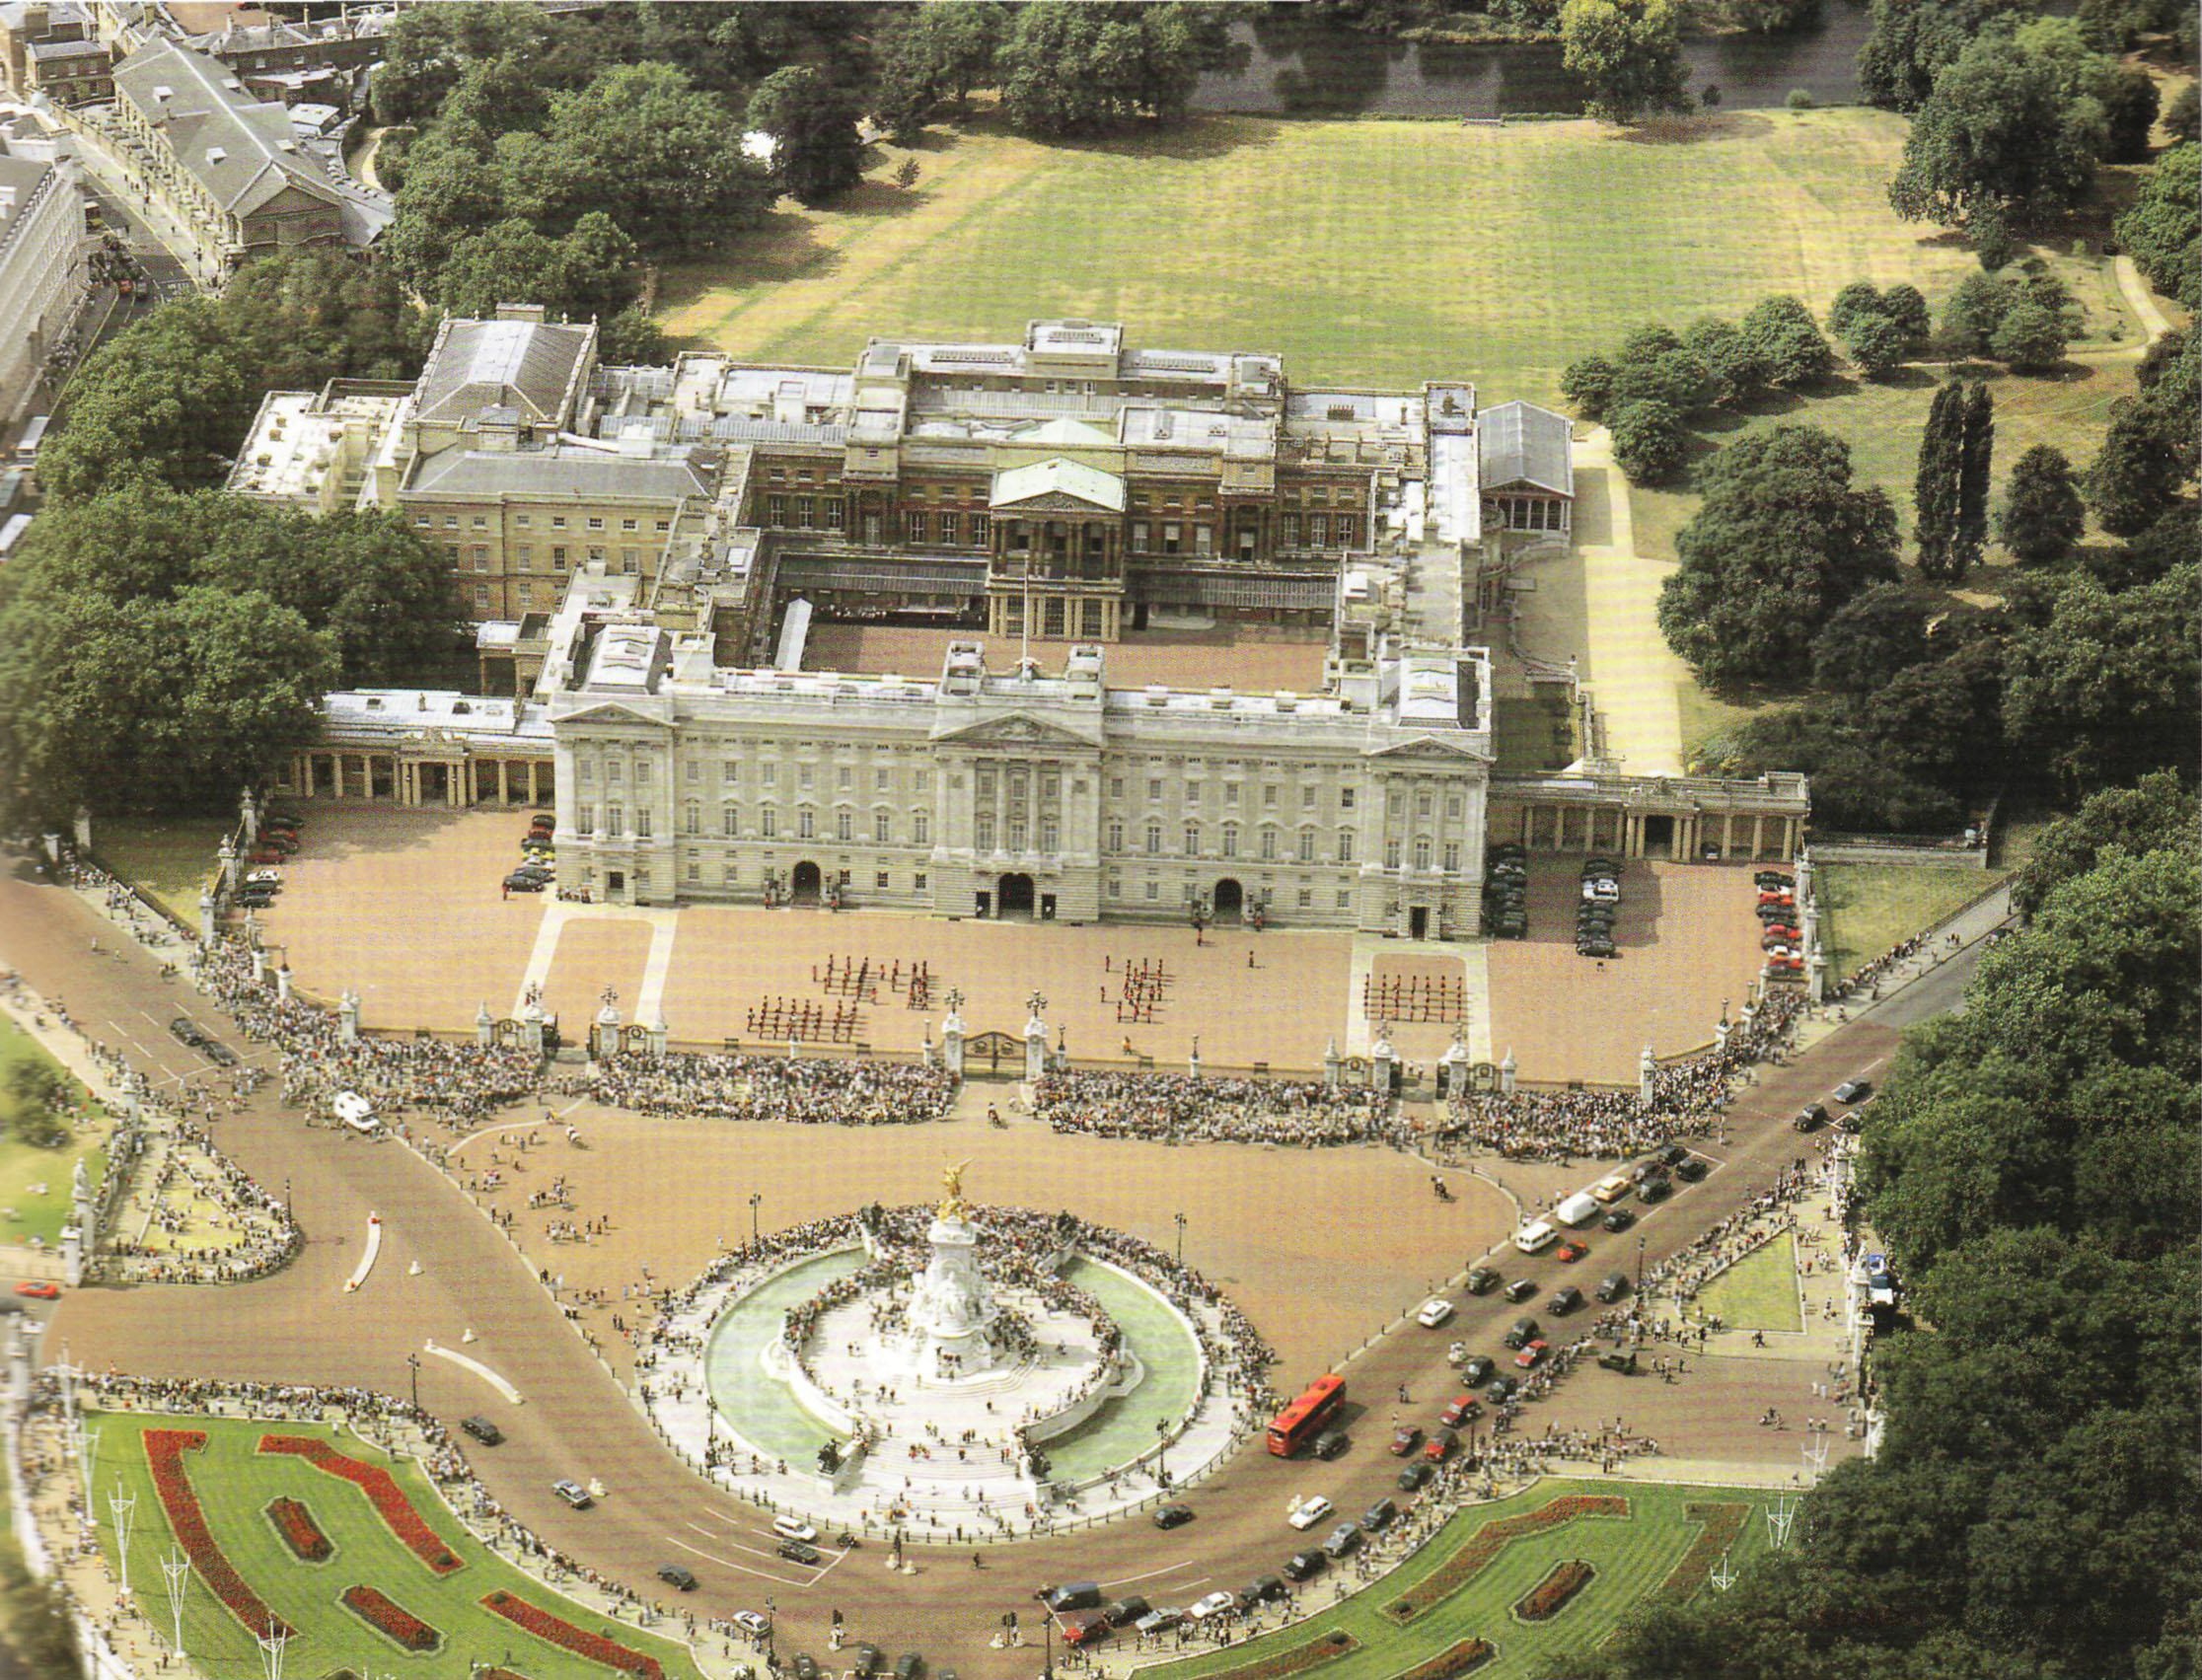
{"x":235,"y":1485}
{"x":1870,"y":907}
{"x":1759,"y":1291}
{"x":1632,"y":1556}
{"x":1401,"y":251}
{"x":170,"y":857}
{"x":27,"y":1210}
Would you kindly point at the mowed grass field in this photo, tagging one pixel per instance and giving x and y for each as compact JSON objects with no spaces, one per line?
{"x":33,"y":1181}
{"x":170,"y":857}
{"x":234,"y":1483}
{"x":1759,"y":1291}
{"x":1870,"y":907}
{"x":1632,"y":1556}
{"x":1376,"y":253}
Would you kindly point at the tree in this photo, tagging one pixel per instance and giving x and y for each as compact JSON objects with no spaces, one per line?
{"x":2171,"y":380}
{"x":1738,"y":372}
{"x":2155,"y":812}
{"x":2160,"y":231}
{"x":933,"y":54}
{"x":1973,"y":313}
{"x":427,"y":49}
{"x":2150,"y":554}
{"x":2102,"y":687}
{"x":1976,"y":457}
{"x":1876,"y":344}
{"x":1589,"y":384}
{"x":2042,"y":517}
{"x":157,"y":404}
{"x":2135,"y":476}
{"x":1908,"y":42}
{"x":2028,"y":337}
{"x":2183,"y":117}
{"x":1878,"y":632}
{"x":1630,"y":52}
{"x":1648,"y":440}
{"x":1787,"y":341}
{"x":1856,"y":301}
{"x":1779,"y":543}
{"x":1904,"y":305}
{"x":1996,"y":134}
{"x":819,"y":151}
{"x":1935,"y":484}
{"x":1653,"y":364}
{"x":1077,"y":68}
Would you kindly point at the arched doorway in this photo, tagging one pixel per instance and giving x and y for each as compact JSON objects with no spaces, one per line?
{"x":1014,"y":896}
{"x":804,"y":885}
{"x":1230,"y":899}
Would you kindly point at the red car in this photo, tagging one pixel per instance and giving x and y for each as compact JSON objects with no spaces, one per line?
{"x":1439,"y":1446}
{"x":1572,"y":1251}
{"x":1404,"y":1439}
{"x":1782,"y":896}
{"x":40,"y":1291}
{"x":1463,"y":1408}
{"x":1782,"y":931}
{"x":1527,"y":1358}
{"x":268,"y":854}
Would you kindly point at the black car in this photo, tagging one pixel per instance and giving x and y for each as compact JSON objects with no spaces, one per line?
{"x":1126,"y":1610}
{"x":1692,"y":1169}
{"x":1521,"y":1333}
{"x":1481,"y":1279}
{"x":1415,"y":1474}
{"x":909,"y":1665}
{"x":799,"y":1552}
{"x":1502,"y":1390}
{"x":187,"y":1033}
{"x":1619,"y":1220}
{"x":1613,"y":1285}
{"x":1644,"y":1172}
{"x":1521,"y":1290}
{"x":1674,"y":1155}
{"x":1772,"y":880}
{"x":1261,"y":1588}
{"x":1811,"y":1117}
{"x":1476,"y":1368}
{"x":218,"y":1053}
{"x":1565,"y":1301}
{"x":482,"y":1430}
{"x":1854,"y":1091}
{"x":676,"y":1577}
{"x":528,"y":881}
{"x":806,"y":1666}
{"x":1170,"y":1516}
{"x":868,"y":1659}
{"x":1300,"y":1565}
{"x":1656,"y":1189}
{"x":1616,"y":1361}
{"x":1596,"y":948}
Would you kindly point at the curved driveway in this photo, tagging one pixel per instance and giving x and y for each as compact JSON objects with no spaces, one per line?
{"x":299,"y":1326}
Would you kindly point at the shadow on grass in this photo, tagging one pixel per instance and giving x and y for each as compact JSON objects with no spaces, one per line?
{"x":1193,"y":140}
{"x":1696,"y":130}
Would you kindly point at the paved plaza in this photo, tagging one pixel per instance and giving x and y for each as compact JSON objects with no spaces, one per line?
{"x":405,"y":908}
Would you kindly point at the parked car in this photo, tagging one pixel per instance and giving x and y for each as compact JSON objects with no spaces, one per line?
{"x":868,"y":1659}
{"x":1342,"y":1539}
{"x":1300,"y":1565}
{"x":39,"y":1289}
{"x":482,"y":1430}
{"x":1414,"y":1475}
{"x":572,"y":1493}
{"x":1811,"y":1117}
{"x":1071,"y":1595}
{"x":676,"y":1577}
{"x":1170,"y":1516}
{"x":1572,"y":1251}
{"x":793,"y":1528}
{"x":1441,"y":1444}
{"x":1502,"y":1389}
{"x":1211,"y":1606}
{"x":1261,"y":1590}
{"x":1521,"y":1332}
{"x":1564,"y":1301}
{"x":1692,"y":1169}
{"x":1477,"y":1370}
{"x":1620,"y":1219}
{"x":1404,"y":1439}
{"x":1615,"y":1361}
{"x":909,"y":1665}
{"x":188,"y":1032}
{"x":1521,"y":1290}
{"x":1331,"y":1443}
{"x":753,"y":1622}
{"x":528,"y":881}
{"x":1458,"y":1411}
{"x":218,"y":1053}
{"x":797,"y":1552}
{"x":1085,"y":1628}
{"x":1612,"y":1286}
{"x":1656,"y":1190}
{"x":1158,"y":1621}
{"x":1481,"y":1279}
{"x":1307,"y":1513}
{"x":1379,"y":1516}
{"x":1611,"y":1189}
{"x":1533,"y":1355}
{"x":1129,"y":1608}
{"x":1854,"y":1091}
{"x":1435,"y":1312}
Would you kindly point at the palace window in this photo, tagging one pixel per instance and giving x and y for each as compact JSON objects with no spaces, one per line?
{"x":1453,"y":857}
{"x":1049,"y":836}
{"x":1155,"y":840}
{"x":921,"y":828}
{"x":845,"y":824}
{"x":730,"y":822}
{"x":1116,"y":836}
{"x":642,"y":822}
{"x":1391,"y":854}
{"x":1192,"y":840}
{"x":691,"y":818}
{"x":584,"y":819}
{"x":1345,"y":846}
{"x":913,"y":526}
{"x":1308,"y":846}
{"x":806,"y":824}
{"x":768,"y":822}
{"x":883,"y":829}
{"x":615,"y":821}
{"x":1422,"y":852}
{"x":1230,"y":840}
{"x":1344,"y":799}
{"x":730,"y":772}
{"x":1269,"y":845}
{"x":982,"y":834}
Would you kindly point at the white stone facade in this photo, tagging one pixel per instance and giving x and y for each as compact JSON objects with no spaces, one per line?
{"x":44,"y":276}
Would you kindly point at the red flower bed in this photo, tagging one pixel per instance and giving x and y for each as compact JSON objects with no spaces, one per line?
{"x":300,"y":1532}
{"x":1723,"y":1526}
{"x":409,"y":1629}
{"x":566,"y":1637}
{"x":1297,"y":1661}
{"x":1550,"y":1597}
{"x":1492,"y":1538}
{"x":1463,"y":1658}
{"x":384,"y":1493}
{"x":500,"y":1674}
{"x":163,"y":1451}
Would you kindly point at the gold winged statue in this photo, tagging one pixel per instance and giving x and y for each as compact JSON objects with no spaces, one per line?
{"x":951,"y":1175}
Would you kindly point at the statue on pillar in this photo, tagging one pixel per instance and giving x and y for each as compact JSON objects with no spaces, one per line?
{"x":952,"y":1205}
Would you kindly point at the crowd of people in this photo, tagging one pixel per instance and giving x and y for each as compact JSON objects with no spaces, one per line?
{"x":192,"y":1186}
{"x":1580,"y":1122}
{"x":807,"y":1091}
{"x":1180,"y":1109}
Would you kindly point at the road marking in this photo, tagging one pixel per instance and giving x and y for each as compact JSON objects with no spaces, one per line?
{"x":479,"y":1368}
{"x":367,"y":1259}
{"x":1172,"y":1569}
{"x":729,"y":1563}
{"x":736,"y":1544}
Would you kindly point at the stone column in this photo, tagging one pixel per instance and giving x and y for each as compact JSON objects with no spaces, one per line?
{"x":1330,"y":1065}
{"x":531,"y":796}
{"x":1036,"y":1047}
{"x":206,"y":920}
{"x":306,"y":776}
{"x":283,"y":984}
{"x":1720,"y":1032}
{"x":1380,"y":1062}
{"x":504,"y":794}
{"x":348,"y":1017}
{"x":82,"y":828}
{"x":227,"y":856}
{"x":952,"y":1043}
{"x":1455,"y":1063}
{"x":72,"y":1256}
{"x":1193,"y":1060}
{"x":485,"y":1026}
{"x":607,"y":1036}
{"x":1648,"y":1068}
{"x":1507,"y":1074}
{"x":260,"y":966}
{"x":532,"y":1026}
{"x":249,"y":813}
{"x":659,"y":1033}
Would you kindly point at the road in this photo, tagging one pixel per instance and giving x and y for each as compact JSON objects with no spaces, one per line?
{"x":300,"y":1326}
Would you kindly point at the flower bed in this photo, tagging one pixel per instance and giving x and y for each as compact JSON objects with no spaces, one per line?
{"x":384,"y":1493}
{"x":1492,"y":1538}
{"x":1462,"y":1657}
{"x":500,"y":1674}
{"x":1298,"y":1660}
{"x":299,"y":1531}
{"x":400,"y":1626}
{"x":595,"y":1647}
{"x":1723,"y":1526}
{"x":164,"y":1452}
{"x":1550,"y":1597}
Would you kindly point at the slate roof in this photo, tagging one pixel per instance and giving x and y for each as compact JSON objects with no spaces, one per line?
{"x":559,"y":471}
{"x":242,"y":150}
{"x":525,"y":365}
{"x":1522,"y":444}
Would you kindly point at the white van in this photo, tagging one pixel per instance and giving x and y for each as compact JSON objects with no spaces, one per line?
{"x":1534,"y":1238}
{"x":793,"y":1528}
{"x":1577,"y":1210}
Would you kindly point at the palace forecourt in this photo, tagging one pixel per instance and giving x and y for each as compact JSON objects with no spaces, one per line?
{"x":1063,"y":630}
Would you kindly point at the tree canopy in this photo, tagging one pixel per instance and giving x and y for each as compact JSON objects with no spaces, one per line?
{"x":1630,"y":52}
{"x":1998,"y":134}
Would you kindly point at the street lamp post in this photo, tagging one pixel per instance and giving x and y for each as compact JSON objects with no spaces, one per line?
{"x":1640,"y":1265}
{"x":413,"y":1365}
{"x":1161,"y":1446}
{"x":1180,"y":1238}
{"x":756,"y":1198}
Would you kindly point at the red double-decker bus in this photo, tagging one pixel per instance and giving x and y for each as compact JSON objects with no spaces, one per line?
{"x":1300,"y":1422}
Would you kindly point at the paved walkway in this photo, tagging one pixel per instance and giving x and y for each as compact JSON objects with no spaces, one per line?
{"x":2141,"y":300}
